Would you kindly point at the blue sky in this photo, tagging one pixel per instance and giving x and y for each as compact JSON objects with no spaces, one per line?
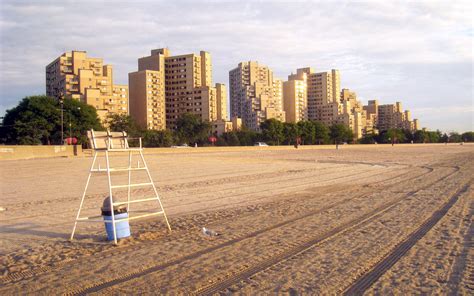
{"x":417,"y":52}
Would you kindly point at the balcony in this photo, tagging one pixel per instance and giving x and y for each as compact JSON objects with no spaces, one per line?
{"x":95,"y":64}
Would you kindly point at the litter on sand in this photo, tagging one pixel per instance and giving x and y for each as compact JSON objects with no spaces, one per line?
{"x":209,"y":232}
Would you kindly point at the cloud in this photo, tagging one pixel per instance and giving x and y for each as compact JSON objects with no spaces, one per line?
{"x":419,"y":52}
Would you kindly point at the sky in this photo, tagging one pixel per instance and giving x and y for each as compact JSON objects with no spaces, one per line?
{"x":416,"y":52}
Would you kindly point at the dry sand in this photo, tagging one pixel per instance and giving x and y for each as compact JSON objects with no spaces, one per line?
{"x":292,"y":221}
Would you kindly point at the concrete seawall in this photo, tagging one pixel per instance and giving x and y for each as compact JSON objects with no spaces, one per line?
{"x":12,"y":152}
{"x":40,"y":151}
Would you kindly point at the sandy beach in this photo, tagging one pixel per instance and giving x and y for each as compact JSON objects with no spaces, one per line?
{"x":372,"y":220}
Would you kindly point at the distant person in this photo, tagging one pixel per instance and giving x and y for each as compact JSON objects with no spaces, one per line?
{"x":195,"y":145}
{"x":297,"y":143}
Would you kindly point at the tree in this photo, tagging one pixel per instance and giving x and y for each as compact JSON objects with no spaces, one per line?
{"x":272,"y":131}
{"x":230,"y":139}
{"x":191,"y":129}
{"x":395,"y":135}
{"x":321,"y":133}
{"x":291,"y":132}
{"x":468,"y":137}
{"x":455,"y":137}
{"x":408,"y":135}
{"x":248,"y":137}
{"x":37,"y":120}
{"x":434,"y":136}
{"x":444,"y":138}
{"x":154,"y":138}
{"x":123,"y":122}
{"x":420,"y":136}
{"x":340,"y":133}
{"x":81,"y":117}
{"x":368,"y":139}
{"x":423,"y":136}
{"x":307,"y":131}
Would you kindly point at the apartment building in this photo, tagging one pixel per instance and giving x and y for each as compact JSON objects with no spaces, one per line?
{"x":254,"y":95}
{"x":219,"y":127}
{"x":295,"y":98}
{"x":274,"y":106}
{"x":185,"y":86}
{"x":354,"y":115}
{"x":416,"y":125}
{"x":221,"y":91}
{"x":393,"y":116}
{"x":371,"y":110}
{"x":147,"y":92}
{"x":323,"y":93}
{"x":75,"y":75}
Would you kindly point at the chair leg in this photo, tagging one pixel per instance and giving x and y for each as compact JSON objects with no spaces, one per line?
{"x":83,"y":195}
{"x":110,"y":196}
{"x":154,"y":188}
{"x":129,"y":179}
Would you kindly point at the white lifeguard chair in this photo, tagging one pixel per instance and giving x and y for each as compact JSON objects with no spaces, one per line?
{"x":115,"y":142}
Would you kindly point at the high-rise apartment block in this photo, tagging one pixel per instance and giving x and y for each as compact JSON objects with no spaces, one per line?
{"x":384,"y":117}
{"x":416,"y":124}
{"x":393,"y":116}
{"x":254,"y":95}
{"x":77,"y":76}
{"x":295,"y":101}
{"x":352,"y":114}
{"x":221,"y":92}
{"x":323,"y":94}
{"x":326,"y":103}
{"x":185,"y":86}
{"x":219,"y":127}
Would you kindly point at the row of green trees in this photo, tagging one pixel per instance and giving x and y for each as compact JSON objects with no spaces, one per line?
{"x":275,"y":132}
{"x":37,"y":120}
{"x":419,"y":136}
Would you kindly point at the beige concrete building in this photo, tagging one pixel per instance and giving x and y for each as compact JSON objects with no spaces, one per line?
{"x":221,"y":92}
{"x":416,"y":124}
{"x":254,"y":95}
{"x":323,"y":94}
{"x":75,"y":75}
{"x":222,"y":126}
{"x":371,"y":111}
{"x":392,"y":116}
{"x":185,"y":87}
{"x":147,"y":99}
{"x":295,"y":101}
{"x":353,"y":114}
{"x":274,"y":106}
{"x":147,"y":92}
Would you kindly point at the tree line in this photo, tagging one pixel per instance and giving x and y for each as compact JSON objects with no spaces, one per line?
{"x":37,"y":120}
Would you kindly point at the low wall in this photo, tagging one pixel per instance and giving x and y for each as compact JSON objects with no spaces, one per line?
{"x":283,"y":147}
{"x":30,"y":151}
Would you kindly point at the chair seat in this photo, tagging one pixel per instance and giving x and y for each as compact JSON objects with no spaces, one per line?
{"x":123,"y":149}
{"x":111,"y":141}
